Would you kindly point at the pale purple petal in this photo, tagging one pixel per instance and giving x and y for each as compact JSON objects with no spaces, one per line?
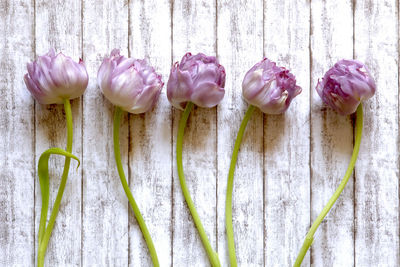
{"x":197,"y":78}
{"x":345,"y":86}
{"x":129,"y":83}
{"x":207,"y":95}
{"x":254,"y":83}
{"x":269,"y":87}
{"x":51,"y":53}
{"x":51,"y":78}
{"x":123,"y":65}
{"x":146,"y":100}
{"x":179,"y":88}
{"x":104,"y":73}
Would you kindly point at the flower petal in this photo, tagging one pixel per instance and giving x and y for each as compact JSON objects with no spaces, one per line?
{"x":207,"y":95}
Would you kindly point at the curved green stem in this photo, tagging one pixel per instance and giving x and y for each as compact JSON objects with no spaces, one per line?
{"x":213,"y":256}
{"x":44,"y":234}
{"x":228,"y":202}
{"x":43,"y":173}
{"x":310,"y":235}
{"x":135,"y":208}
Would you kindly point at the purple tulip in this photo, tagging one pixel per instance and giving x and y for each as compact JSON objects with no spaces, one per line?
{"x":269,"y":87}
{"x":129,"y":83}
{"x":346,"y":85}
{"x":52,"y":78}
{"x":199,"y":79}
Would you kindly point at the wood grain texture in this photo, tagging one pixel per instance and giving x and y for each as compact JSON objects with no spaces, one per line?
{"x":150,"y":155}
{"x":58,"y":25}
{"x":105,"y":206}
{"x":17,"y":149}
{"x":194,"y":30}
{"x":331,"y":138}
{"x":288,"y":165}
{"x":240,"y":46}
{"x":287,"y":136}
{"x":377,"y":182}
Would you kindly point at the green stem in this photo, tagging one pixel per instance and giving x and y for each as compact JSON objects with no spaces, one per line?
{"x":44,"y":234}
{"x":136,"y":211}
{"x":310,"y":235}
{"x":228,"y":203}
{"x":43,"y":173}
{"x":213,"y":256}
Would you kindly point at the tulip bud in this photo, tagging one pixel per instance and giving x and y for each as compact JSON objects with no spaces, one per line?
{"x":129,"y":83}
{"x":52,"y":78}
{"x":199,"y":79}
{"x":346,"y":85}
{"x":269,"y":87}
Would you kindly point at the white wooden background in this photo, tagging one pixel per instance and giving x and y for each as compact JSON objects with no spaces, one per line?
{"x":288,"y":166}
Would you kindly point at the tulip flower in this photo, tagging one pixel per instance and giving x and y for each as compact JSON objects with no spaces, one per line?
{"x":133,"y":86}
{"x":54,"y":79}
{"x":271,"y":89}
{"x":343,"y":88}
{"x":129,"y":83}
{"x":199,"y":80}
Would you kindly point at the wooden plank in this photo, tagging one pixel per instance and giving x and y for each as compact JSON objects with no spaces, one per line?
{"x":331,"y":137}
{"x":287,"y":136}
{"x":150,"y":154}
{"x":200,"y":140}
{"x":377,"y":182}
{"x":361,"y":230}
{"x":17,"y":149}
{"x":240,"y":47}
{"x":105,"y":206}
{"x":58,"y":25}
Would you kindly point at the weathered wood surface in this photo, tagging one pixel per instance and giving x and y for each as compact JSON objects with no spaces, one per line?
{"x":287,"y":137}
{"x":331,"y":137}
{"x":194,"y":30}
{"x":376,"y":192}
{"x":240,"y":46}
{"x":104,"y":205}
{"x":150,"y":154}
{"x":17,"y":135}
{"x":58,"y":25}
{"x":288,"y":165}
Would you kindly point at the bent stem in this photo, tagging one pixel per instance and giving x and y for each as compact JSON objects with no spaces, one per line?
{"x":310,"y":235}
{"x":212,"y":256}
{"x":135,"y":208}
{"x":43,"y":173}
{"x":45,"y":232}
{"x":228,"y":202}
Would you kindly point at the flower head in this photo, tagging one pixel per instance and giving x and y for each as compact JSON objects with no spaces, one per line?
{"x":52,"y":78}
{"x":346,"y":85}
{"x":129,"y":83}
{"x":269,"y":87}
{"x":197,"y":78}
